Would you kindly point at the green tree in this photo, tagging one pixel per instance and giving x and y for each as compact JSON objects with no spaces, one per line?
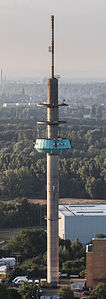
{"x":83,"y":273}
{"x":99,"y":292}
{"x":74,"y":266}
{"x":4,"y":292}
{"x":66,"y":293}
{"x":100,"y":235}
{"x":28,"y":291}
{"x":19,"y":146}
{"x":13,"y":293}
{"x":26,"y":182}
{"x":28,"y":243}
{"x":63,"y":253}
{"x":9,"y":183}
{"x":92,"y":112}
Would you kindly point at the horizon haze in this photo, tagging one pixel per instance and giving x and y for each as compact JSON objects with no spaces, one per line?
{"x":80,"y":43}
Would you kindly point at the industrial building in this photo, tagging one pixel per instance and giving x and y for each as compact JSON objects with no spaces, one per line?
{"x":96,"y":262}
{"x":82,"y":221}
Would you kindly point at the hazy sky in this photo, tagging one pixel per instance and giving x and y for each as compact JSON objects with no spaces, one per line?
{"x":80,"y":38}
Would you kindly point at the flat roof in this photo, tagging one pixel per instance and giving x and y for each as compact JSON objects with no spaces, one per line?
{"x":83,"y":209}
{"x":3,"y":268}
{"x":100,"y":239}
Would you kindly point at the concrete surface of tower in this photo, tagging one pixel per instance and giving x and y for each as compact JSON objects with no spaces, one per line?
{"x":53,"y":145}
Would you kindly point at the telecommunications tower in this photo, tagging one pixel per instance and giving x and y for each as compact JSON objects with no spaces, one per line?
{"x":53,"y":145}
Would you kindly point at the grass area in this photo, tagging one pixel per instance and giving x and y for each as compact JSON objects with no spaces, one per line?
{"x":69,"y":200}
{"x":61,"y":201}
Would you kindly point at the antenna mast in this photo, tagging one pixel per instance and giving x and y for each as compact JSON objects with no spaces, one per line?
{"x":52,"y":45}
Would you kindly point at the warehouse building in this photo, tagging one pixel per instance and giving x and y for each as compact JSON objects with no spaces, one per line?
{"x":82,"y":221}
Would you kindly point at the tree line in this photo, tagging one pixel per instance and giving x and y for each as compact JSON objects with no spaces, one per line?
{"x":31,"y":247}
{"x":21,"y":213}
{"x":23,"y":170}
{"x":79,"y":178}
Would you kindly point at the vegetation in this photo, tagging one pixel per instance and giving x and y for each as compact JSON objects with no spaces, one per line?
{"x":99,"y":292}
{"x":13,"y":293}
{"x":66,"y":293}
{"x":4,"y":292}
{"x":21,"y":213}
{"x":28,"y":291}
{"x":30,"y":247}
{"x":71,"y":256}
{"x":23,"y":176}
{"x":28,"y":243}
{"x":25,"y":291}
{"x":23,"y":171}
{"x":100,"y":236}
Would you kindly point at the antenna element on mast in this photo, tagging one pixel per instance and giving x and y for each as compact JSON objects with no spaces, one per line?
{"x":52,"y":45}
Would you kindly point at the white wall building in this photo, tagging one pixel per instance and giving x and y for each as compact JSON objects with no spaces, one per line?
{"x":11,"y":261}
{"x":3,"y":269}
{"x":81,"y":220}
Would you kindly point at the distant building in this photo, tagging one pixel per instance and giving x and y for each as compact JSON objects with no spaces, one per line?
{"x":81,"y":220}
{"x":96,"y":262}
{"x":86,"y":116}
{"x":10,"y":261}
{"x":3,"y":272}
{"x":4,"y":269}
{"x":77,"y":284}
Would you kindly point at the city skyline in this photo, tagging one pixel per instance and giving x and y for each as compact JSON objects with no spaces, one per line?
{"x":80,"y":42}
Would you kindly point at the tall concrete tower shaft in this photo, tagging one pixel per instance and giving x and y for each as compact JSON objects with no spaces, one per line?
{"x":53,"y":145}
{"x":52,"y":188}
{"x":52,"y":175}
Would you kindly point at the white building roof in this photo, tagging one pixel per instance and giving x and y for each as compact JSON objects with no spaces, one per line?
{"x":83,"y":209}
{"x":3,"y":269}
{"x":7,"y":259}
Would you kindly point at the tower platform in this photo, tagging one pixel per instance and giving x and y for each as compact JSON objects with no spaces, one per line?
{"x":52,"y":146}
